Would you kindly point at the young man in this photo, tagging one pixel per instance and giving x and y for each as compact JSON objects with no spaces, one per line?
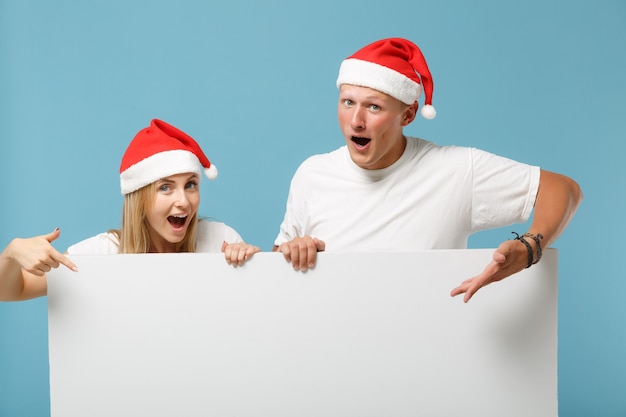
{"x":385,"y":191}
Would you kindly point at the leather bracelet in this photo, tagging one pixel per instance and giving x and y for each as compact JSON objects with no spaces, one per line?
{"x":537,"y":240}
{"x":528,"y":248}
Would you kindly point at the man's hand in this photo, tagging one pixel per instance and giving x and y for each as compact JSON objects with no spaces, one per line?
{"x":510,"y":257}
{"x":301,"y":252}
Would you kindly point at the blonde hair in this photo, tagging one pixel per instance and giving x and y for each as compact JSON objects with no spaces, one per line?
{"x":134,"y":236}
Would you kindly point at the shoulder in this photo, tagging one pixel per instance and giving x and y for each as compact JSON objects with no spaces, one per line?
{"x":416,"y":147}
{"x":101,"y":244}
{"x":211,"y":235}
{"x":422,"y":152}
{"x":211,"y":226}
{"x":481,"y":158}
{"x":324,"y":161}
{"x":320,"y":167}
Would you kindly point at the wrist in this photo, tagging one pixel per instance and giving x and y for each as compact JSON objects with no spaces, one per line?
{"x":7,"y":253}
{"x":537,"y":239}
{"x":532,"y":243}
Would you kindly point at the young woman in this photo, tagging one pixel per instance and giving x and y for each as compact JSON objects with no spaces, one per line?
{"x":159,"y":177}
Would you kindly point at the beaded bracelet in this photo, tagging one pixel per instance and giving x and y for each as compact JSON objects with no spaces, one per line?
{"x":537,"y":240}
{"x":528,"y":248}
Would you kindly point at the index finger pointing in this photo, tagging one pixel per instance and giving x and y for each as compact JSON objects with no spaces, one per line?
{"x":62,"y":259}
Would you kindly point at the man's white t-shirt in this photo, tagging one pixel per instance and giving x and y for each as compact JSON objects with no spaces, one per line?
{"x":433,"y":197}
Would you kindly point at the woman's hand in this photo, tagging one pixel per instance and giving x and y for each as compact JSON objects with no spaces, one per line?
{"x":36,"y":255}
{"x":24,"y":264}
{"x":236,"y":254}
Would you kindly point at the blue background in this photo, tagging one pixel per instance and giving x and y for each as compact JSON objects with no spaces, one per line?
{"x":539,"y":81}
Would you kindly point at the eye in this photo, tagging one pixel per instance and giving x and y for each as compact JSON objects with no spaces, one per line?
{"x":348,"y":102}
{"x":164,"y":188}
{"x":375,"y":107}
{"x":191,"y":185}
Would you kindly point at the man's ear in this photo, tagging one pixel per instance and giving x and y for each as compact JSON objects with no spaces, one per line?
{"x":410,"y":112}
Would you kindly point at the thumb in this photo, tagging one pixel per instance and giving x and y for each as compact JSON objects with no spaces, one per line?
{"x":500,"y":254}
{"x":224,"y":244}
{"x":52,"y":236}
{"x":499,"y":257}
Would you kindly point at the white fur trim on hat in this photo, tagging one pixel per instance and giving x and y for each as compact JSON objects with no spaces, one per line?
{"x":157,"y":166}
{"x":369,"y":74}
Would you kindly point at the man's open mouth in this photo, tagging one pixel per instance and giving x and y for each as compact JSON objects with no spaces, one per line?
{"x":360,"y":141}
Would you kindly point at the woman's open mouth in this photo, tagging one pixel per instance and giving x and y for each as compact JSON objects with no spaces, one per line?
{"x":177,"y":221}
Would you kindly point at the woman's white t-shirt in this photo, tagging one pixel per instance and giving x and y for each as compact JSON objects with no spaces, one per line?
{"x":210,"y":237}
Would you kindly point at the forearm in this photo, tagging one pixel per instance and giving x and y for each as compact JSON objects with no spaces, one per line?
{"x":11,"y":277}
{"x":16,"y":283}
{"x":557,"y":200}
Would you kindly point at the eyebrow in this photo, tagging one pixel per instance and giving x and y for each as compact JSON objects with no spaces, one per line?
{"x":368,"y":97}
{"x":168,"y":179}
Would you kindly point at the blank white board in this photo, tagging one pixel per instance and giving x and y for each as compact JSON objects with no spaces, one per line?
{"x":363,"y":334}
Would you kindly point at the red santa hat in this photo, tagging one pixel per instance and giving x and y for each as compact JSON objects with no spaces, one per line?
{"x":394,"y":66}
{"x":158,"y":151}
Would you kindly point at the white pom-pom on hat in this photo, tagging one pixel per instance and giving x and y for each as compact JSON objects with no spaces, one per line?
{"x":211,"y":172}
{"x":428,"y":112}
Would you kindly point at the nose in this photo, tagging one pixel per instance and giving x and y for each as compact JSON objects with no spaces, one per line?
{"x":182,"y":200}
{"x":358,"y":118}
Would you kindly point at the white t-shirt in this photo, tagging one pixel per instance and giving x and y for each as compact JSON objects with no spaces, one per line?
{"x":433,"y":197}
{"x":210,"y":236}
